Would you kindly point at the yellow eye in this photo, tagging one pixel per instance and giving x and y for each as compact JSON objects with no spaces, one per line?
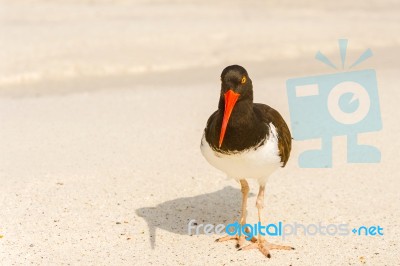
{"x":243,"y":80}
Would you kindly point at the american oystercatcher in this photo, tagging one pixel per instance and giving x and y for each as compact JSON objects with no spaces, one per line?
{"x":246,"y":140}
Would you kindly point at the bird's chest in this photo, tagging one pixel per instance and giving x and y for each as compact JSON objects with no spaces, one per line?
{"x":257,"y":162}
{"x":241,"y":134}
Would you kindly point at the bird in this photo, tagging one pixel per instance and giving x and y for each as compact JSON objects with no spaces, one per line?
{"x":246,"y":140}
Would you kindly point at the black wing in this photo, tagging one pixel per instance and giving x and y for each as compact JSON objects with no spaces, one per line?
{"x":270,"y":115}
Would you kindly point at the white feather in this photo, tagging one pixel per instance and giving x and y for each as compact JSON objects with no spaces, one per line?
{"x":253,"y":163}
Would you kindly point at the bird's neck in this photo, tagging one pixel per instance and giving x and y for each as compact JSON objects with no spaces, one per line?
{"x":242,"y":114}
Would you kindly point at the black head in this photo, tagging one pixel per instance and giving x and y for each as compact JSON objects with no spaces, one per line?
{"x":236,"y":90}
{"x":235,"y":78}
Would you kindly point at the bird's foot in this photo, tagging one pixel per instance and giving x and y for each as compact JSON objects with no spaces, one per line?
{"x":240,"y":240}
{"x":264,"y":246}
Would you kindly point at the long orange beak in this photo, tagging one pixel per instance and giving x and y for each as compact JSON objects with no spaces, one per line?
{"x":231,"y":98}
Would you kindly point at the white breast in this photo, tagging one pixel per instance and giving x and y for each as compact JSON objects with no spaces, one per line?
{"x":253,"y":163}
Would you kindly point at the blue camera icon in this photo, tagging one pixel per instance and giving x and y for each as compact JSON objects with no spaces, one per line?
{"x":339,"y":104}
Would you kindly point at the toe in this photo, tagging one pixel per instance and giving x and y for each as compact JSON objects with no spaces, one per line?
{"x":225,"y":238}
{"x":241,"y":241}
{"x":273,"y":246}
{"x":264,"y":250}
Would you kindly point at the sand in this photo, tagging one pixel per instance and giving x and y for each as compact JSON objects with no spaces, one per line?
{"x":103,"y":105}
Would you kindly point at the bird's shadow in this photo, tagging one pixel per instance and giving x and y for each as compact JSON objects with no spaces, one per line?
{"x":219,"y":207}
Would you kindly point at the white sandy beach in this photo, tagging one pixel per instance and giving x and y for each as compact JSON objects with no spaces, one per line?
{"x":103,"y":105}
